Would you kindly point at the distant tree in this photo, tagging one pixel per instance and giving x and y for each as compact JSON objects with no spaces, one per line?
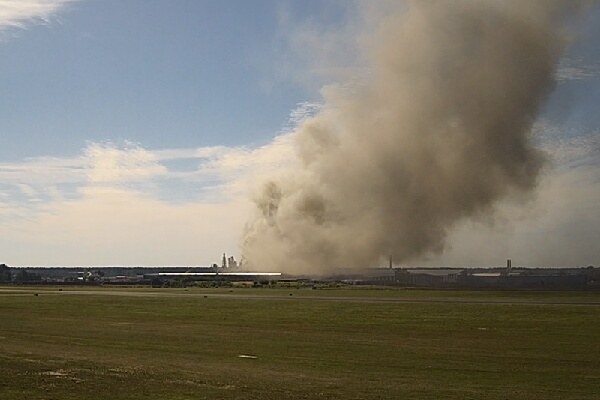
{"x":23,"y":276}
{"x":5,"y":274}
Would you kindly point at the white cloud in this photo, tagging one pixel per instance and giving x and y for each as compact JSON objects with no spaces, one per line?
{"x":316,"y":50}
{"x":125,"y":205}
{"x":302,"y":112}
{"x":109,"y":164}
{"x":20,"y":13}
{"x":41,"y":170}
{"x":109,"y":226}
{"x":577,"y":69}
{"x":27,"y":190}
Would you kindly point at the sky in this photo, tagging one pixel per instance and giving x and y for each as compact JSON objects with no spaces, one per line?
{"x":134,"y":132}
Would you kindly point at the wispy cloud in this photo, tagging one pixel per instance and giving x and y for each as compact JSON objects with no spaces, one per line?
{"x":109,"y":164}
{"x":317,"y":50}
{"x":214,"y":174}
{"x":131,"y":167}
{"x":21,"y":13}
{"x":577,"y":69}
{"x":125,"y":204}
{"x":300,"y":114}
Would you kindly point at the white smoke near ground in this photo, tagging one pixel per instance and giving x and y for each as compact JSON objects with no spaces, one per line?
{"x":437,"y":133}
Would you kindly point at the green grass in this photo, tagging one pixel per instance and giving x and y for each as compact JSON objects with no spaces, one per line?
{"x":61,"y":345}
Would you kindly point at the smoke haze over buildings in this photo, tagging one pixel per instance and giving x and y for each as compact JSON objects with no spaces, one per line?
{"x":438,"y":132}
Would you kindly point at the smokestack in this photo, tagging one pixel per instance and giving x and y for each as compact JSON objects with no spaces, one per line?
{"x":439,"y":131}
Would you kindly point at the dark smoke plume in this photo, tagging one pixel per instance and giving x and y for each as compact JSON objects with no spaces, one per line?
{"x":438,"y":132}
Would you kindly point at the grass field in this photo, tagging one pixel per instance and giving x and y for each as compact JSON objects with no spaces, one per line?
{"x":308,"y":344}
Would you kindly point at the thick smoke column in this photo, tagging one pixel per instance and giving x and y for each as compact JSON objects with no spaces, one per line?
{"x":439,"y":131}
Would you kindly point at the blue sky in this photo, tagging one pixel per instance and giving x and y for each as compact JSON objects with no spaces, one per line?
{"x":121,"y":118}
{"x":183,"y":73}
